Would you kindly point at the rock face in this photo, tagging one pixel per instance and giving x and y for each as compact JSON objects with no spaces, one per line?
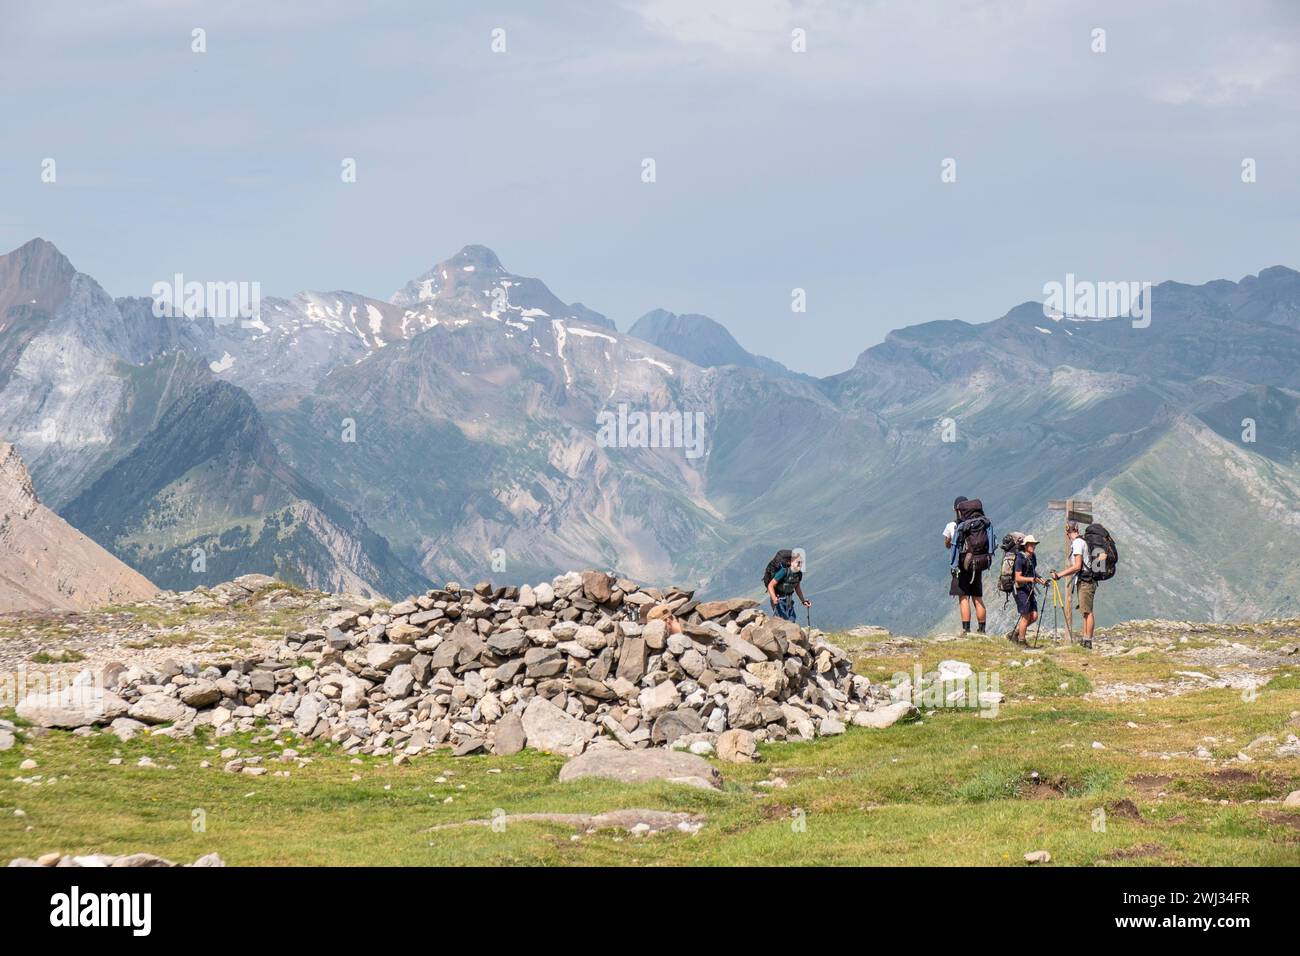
{"x":46,"y":563}
{"x":643,"y":766}
{"x":554,"y":667}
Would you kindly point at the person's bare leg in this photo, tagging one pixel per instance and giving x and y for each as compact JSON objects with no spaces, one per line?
{"x":980,"y":613}
{"x":964,"y":602}
{"x":1088,"y":622}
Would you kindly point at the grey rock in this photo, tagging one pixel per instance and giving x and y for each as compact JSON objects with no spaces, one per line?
{"x":612,"y":762}
{"x":510,"y":737}
{"x":79,"y":705}
{"x":200,"y":693}
{"x":737,"y":746}
{"x":549,"y":728}
{"x":886,"y":716}
{"x":158,"y":708}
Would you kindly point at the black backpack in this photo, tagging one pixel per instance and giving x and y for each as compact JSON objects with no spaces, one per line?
{"x":1102,"y":553}
{"x":973,"y":537}
{"x":779,"y":560}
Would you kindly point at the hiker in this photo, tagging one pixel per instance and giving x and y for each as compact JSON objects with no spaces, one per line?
{"x":784,"y":579}
{"x":1081,"y":565}
{"x":1026,"y":577}
{"x":969,"y":539}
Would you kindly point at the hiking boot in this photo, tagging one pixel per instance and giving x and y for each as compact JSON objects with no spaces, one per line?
{"x":1086,"y":644}
{"x":1011,"y":636}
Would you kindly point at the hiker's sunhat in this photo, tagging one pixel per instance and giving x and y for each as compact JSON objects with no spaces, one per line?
{"x":1029,"y":539}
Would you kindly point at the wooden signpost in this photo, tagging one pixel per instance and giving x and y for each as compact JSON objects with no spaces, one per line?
{"x":1078,"y":510}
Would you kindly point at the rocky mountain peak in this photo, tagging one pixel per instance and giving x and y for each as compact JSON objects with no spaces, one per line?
{"x":473,"y":284}
{"x":479,"y":257}
{"x":35,"y":274}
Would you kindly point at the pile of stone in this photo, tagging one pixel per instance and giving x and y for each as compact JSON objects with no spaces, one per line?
{"x":552,"y":667}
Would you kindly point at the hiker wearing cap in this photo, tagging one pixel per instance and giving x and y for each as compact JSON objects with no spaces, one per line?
{"x":1080,"y":565}
{"x":969,"y":540}
{"x":1026,"y":576}
{"x":784,"y":584}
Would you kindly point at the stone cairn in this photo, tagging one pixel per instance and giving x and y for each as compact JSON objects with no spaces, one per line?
{"x":496,"y":669}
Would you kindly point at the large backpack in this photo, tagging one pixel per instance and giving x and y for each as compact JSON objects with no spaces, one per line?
{"x":1102,"y":553}
{"x":779,"y":560}
{"x":1011,"y":546}
{"x":972,"y":543}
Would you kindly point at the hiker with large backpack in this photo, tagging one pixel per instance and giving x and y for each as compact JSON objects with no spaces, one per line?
{"x":970,"y":543}
{"x":1093,"y":557}
{"x":783,"y":579}
{"x":1025,"y":578}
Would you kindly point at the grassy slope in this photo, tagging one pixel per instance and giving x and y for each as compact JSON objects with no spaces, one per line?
{"x":952,"y":788}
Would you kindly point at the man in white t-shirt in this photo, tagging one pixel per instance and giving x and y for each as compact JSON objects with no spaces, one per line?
{"x":1080,"y":561}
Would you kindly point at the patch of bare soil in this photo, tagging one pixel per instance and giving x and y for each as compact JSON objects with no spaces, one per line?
{"x":1151,"y":782}
{"x":1125,"y":809}
{"x":1286,"y":819}
{"x":1044,"y":788}
{"x":1140,"y":852}
{"x":1232,"y":776}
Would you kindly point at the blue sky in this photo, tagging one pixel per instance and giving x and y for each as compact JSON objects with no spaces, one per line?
{"x":775,"y":169}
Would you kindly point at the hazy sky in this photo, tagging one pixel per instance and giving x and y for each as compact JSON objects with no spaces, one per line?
{"x":775,"y":169}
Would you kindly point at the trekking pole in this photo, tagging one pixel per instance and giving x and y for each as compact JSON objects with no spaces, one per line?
{"x":1038,"y":627}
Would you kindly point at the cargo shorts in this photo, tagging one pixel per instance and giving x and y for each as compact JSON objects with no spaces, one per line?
{"x":1087,"y":590}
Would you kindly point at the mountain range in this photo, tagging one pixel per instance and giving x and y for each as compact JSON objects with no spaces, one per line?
{"x":458,"y":430}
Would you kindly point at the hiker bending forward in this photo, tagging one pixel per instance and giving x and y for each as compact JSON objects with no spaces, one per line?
{"x":1026,"y":597}
{"x":785,"y":583}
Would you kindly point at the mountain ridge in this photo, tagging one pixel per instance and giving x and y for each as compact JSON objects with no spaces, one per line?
{"x":478,"y":438}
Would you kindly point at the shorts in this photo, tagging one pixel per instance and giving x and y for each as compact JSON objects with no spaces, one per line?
{"x":1026,"y":601}
{"x":967,"y":584}
{"x":1087,"y":590}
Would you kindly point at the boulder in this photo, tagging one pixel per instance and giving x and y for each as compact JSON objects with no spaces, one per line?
{"x":79,"y":705}
{"x":611,"y":762}
{"x":658,"y":699}
{"x":885,"y":716}
{"x":708,"y":610}
{"x":596,"y":586}
{"x":384,"y":657}
{"x":200,"y":693}
{"x":510,"y":736}
{"x":549,"y":728}
{"x":632,"y":659}
{"x":737,"y":746}
{"x":158,"y":708}
{"x":398,"y":684}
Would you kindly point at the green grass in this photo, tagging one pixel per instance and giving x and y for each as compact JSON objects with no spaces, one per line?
{"x":953,"y":788}
{"x":65,"y":656}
